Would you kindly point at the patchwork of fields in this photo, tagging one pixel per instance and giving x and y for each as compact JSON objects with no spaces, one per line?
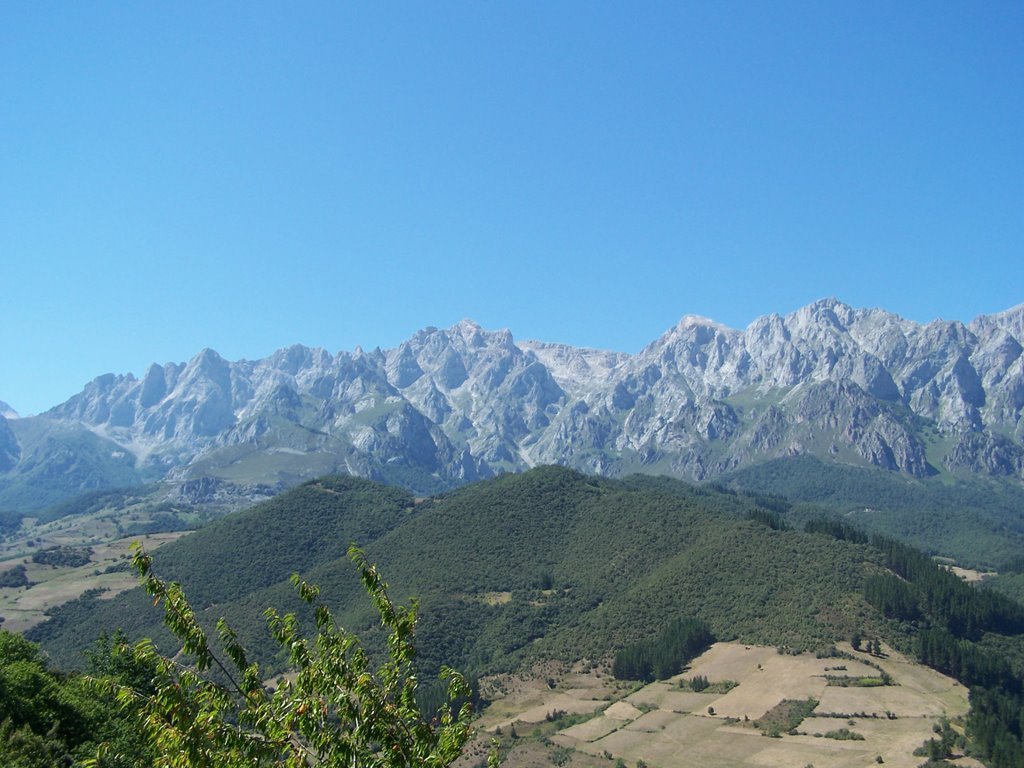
{"x":666,"y":725}
{"x":50,"y":586}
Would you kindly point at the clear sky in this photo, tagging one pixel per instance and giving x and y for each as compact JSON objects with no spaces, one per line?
{"x":245,"y":176}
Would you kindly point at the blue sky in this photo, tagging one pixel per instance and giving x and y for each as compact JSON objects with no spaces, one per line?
{"x":245,"y":176}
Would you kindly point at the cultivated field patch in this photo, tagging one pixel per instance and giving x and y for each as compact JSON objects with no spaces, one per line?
{"x":589,"y":731}
{"x":50,"y":586}
{"x":562,"y":702}
{"x":668,"y":696}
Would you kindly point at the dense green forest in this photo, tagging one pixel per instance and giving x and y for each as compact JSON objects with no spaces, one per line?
{"x":665,"y":655}
{"x":978,"y":521}
{"x":9,"y":521}
{"x":1009,"y":583}
{"x":549,"y":562}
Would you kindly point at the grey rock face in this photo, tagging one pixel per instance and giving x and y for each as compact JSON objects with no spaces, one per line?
{"x":856,"y":385}
{"x":1011,"y":321}
{"x":987,"y":453}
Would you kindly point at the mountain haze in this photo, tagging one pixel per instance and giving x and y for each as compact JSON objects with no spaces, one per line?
{"x":449,"y":406}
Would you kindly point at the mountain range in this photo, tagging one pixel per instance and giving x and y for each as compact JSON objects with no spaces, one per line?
{"x":449,"y":406}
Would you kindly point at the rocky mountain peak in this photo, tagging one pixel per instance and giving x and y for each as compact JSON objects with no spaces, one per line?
{"x":296,"y":358}
{"x":1011,"y":321}
{"x":207,"y":365}
{"x":828,"y":309}
{"x":467,"y":329}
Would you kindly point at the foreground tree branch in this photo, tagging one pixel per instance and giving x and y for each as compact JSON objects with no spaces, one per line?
{"x":337,"y":711}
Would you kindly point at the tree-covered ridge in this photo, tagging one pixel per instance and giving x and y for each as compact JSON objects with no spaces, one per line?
{"x":236,"y":555}
{"x":548,"y":562}
{"x":262,"y":545}
{"x":617,"y":563}
{"x":979,"y":522}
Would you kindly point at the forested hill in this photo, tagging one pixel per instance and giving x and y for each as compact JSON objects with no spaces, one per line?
{"x":553,"y":563}
{"x":547,"y":562}
{"x":977,"y":521}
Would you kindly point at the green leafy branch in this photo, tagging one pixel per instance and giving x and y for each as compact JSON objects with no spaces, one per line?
{"x":335,"y":709}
